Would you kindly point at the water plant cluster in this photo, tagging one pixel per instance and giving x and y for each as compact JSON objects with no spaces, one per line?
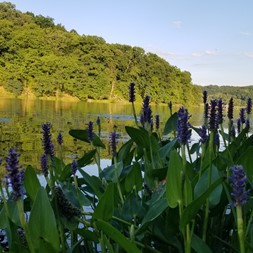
{"x":162,"y":193}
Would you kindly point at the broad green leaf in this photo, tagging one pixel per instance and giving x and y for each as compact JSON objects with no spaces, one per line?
{"x":166,"y":149}
{"x":31,"y":182}
{"x":174,"y":181}
{"x":140,"y":136}
{"x":202,"y":186}
{"x":199,"y":245}
{"x":192,"y":209}
{"x":134,"y":178}
{"x":117,"y":236}
{"x":93,"y":182}
{"x":246,"y":160}
{"x":171,"y":124}
{"x":83,"y":136}
{"x":123,"y":153}
{"x":155,"y":210}
{"x":87,"y":158}
{"x":113,"y":172}
{"x":104,"y":209}
{"x":42,"y":224}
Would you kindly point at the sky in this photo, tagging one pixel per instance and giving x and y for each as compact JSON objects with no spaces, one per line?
{"x":212,"y":39}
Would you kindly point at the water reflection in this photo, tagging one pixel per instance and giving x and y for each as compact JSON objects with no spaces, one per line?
{"x":20,"y":124}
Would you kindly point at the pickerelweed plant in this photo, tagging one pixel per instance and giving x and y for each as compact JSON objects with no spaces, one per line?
{"x":163,"y":192}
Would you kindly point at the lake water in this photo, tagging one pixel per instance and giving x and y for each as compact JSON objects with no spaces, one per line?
{"x":21,"y":119}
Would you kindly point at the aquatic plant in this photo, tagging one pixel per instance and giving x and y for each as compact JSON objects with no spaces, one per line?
{"x":163,"y":192}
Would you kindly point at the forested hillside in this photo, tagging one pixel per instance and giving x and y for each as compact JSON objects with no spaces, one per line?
{"x":239,"y":94}
{"x":42,"y":57}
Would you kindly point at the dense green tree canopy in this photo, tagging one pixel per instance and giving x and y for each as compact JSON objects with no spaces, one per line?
{"x":47,"y":59}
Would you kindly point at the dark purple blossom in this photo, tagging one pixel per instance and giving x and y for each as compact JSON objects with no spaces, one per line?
{"x":213,"y":123}
{"x":157,"y":122}
{"x":242,"y":115}
{"x":46,"y":140}
{"x":239,"y":124}
{"x":60,"y":138}
{"x":217,"y":139}
{"x":183,"y":126}
{"x":44,"y":164}
{"x":204,"y":96}
{"x":219,"y":111}
{"x":90,"y":131}
{"x":131,"y":92}
{"x":146,"y":116}
{"x":232,"y":131}
{"x":74,"y":167}
{"x":247,"y":123}
{"x":249,"y":106}
{"x":230,"y":108}
{"x":238,"y":182}
{"x":170,"y":106}
{"x":15,"y":175}
{"x":206,"y":110}
{"x":98,"y":121}
{"x":113,"y":143}
{"x":203,"y":134}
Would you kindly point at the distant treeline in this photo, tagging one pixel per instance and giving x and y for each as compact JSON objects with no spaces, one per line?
{"x":38,"y":56}
{"x":239,"y":94}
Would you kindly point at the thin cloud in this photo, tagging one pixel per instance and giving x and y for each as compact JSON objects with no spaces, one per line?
{"x":177,"y":24}
{"x":249,"y":54}
{"x":246,"y":33}
{"x":205,"y":53}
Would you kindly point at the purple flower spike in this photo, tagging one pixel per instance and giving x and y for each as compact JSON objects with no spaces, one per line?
{"x":98,"y":121}
{"x":213,"y":123}
{"x":60,"y":138}
{"x":242,"y":115}
{"x":183,"y":126}
{"x":15,"y":175}
{"x":239,"y":125}
{"x":146,"y":116}
{"x":249,"y":106}
{"x":131,"y":92}
{"x":203,"y":134}
{"x":157,"y":122}
{"x":113,"y":143}
{"x":170,"y":106}
{"x":220,"y":111}
{"x":74,"y":167}
{"x":232,"y":131}
{"x":44,"y":164}
{"x":90,"y":131}
{"x":46,"y":140}
{"x":204,"y":96}
{"x":231,"y":108}
{"x":238,"y":182}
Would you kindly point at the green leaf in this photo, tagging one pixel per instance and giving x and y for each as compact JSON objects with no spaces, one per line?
{"x":202,"y":186}
{"x":139,"y":136}
{"x":92,"y":181}
{"x":246,"y":160}
{"x":104,"y":209}
{"x":174,"y":181}
{"x":134,"y":178}
{"x":171,"y":124}
{"x":192,"y":209}
{"x":82,"y":135}
{"x":123,"y":154}
{"x":199,"y":245}
{"x":117,"y":236}
{"x":42,"y":224}
{"x":31,"y":182}
{"x":166,"y":149}
{"x":109,"y":173}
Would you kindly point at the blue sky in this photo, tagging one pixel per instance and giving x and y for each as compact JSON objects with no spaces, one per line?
{"x":212,"y":39}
